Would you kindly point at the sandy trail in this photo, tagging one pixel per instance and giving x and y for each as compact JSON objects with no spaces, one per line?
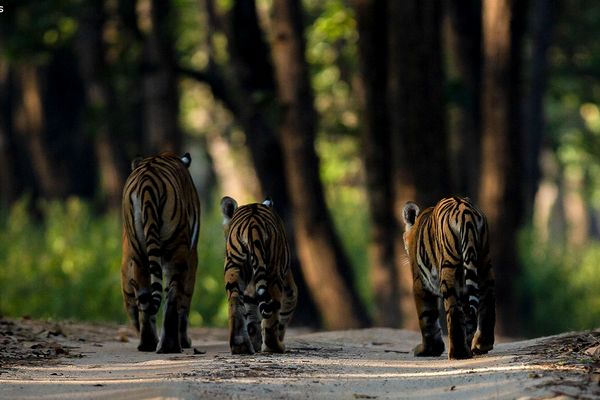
{"x":361,"y":364}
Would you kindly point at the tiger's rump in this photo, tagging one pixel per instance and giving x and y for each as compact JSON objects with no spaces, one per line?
{"x":449,"y":253}
{"x":258,"y":280}
{"x":161,"y":220}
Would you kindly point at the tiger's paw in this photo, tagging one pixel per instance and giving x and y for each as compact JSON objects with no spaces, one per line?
{"x":168,"y":346}
{"x":480,"y":345}
{"x":456,"y":353}
{"x":241,"y":345}
{"x":146,"y":346}
{"x":273,"y":347}
{"x":148,"y":340}
{"x":435,"y":349}
{"x":186,"y":342}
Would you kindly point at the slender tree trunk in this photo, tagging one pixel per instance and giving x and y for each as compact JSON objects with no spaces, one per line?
{"x":29,"y":123}
{"x":8,"y":177}
{"x":419,"y":143}
{"x":375,"y":138}
{"x":100,"y":101}
{"x":325,"y":266}
{"x":500,"y":185}
{"x":542,"y":22}
{"x":159,"y":82}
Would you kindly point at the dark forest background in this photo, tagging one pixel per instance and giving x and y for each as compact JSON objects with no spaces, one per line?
{"x":340,"y":110}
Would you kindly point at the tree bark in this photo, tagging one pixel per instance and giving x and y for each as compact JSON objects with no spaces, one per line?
{"x":100,"y":102}
{"x":371,"y":18}
{"x":417,"y":123}
{"x":256,"y":114}
{"x":465,"y":138}
{"x":541,"y":37}
{"x":8,"y":164}
{"x":159,"y":82}
{"x":500,"y":195}
{"x":324,"y":265}
{"x":29,"y":123}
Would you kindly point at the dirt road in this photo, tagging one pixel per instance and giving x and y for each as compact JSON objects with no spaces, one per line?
{"x":77,"y":361}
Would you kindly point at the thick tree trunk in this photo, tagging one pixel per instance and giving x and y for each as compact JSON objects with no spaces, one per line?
{"x":159,"y":82}
{"x":464,"y":45}
{"x":100,"y":102}
{"x":419,"y":143}
{"x":371,"y":17}
{"x":256,"y":111}
{"x":324,"y":265}
{"x":500,"y":184}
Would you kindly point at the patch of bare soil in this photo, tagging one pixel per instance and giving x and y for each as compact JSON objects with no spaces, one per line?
{"x":578,"y":353}
{"x":69,"y":360}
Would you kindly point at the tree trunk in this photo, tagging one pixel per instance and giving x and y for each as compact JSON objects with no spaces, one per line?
{"x":542,"y":22}
{"x":29,"y":123}
{"x":100,"y":102}
{"x":464,"y":45}
{"x":159,"y":82}
{"x":256,"y":112}
{"x":419,"y":143}
{"x":371,"y":17}
{"x":8,"y":164}
{"x":324,"y":265}
{"x":500,"y":184}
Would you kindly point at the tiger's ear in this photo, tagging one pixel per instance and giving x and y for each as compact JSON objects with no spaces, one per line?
{"x":135,"y":162}
{"x":268,"y":202}
{"x":228,"y":207}
{"x":186,"y":159}
{"x":409,"y":213}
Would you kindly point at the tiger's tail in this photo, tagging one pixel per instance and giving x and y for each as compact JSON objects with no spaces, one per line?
{"x":151,"y":229}
{"x":469,"y":242}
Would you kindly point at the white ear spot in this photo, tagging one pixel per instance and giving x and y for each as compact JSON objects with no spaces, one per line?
{"x":186,"y":159}
{"x":261,"y":291}
{"x":268,"y":202}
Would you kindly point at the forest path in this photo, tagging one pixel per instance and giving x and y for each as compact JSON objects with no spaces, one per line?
{"x":98,"y":362}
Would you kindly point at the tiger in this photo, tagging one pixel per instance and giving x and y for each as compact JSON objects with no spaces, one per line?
{"x":448,"y":251}
{"x":259,"y":283}
{"x":161,"y":221}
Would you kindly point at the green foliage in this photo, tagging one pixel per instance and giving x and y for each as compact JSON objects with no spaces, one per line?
{"x":341,"y":174}
{"x":561,"y":286}
{"x":68,"y":266}
{"x":331,"y":54}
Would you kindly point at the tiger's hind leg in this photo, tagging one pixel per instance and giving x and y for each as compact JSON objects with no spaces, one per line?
{"x":176,"y":272}
{"x":432,"y":344}
{"x":452,"y":278}
{"x":186,"y":299}
{"x":239,"y":339}
{"x":288,"y":306}
{"x":270,"y":312}
{"x":484,"y":337}
{"x":128,"y":287}
{"x":147,"y":312}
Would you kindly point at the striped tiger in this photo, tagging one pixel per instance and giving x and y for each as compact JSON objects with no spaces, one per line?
{"x":161,"y":220}
{"x":258,"y":279}
{"x":448,"y":250}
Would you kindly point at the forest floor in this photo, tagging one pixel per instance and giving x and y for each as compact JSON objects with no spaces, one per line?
{"x":67,"y":360}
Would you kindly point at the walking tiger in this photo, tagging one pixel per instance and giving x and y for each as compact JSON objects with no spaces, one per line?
{"x":161,"y":220}
{"x":261,"y":292}
{"x":448,"y":250}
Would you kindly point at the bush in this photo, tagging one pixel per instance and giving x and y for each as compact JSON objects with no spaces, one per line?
{"x":559,"y":287}
{"x":67,"y":266}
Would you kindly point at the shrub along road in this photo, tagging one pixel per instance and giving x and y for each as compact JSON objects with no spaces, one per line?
{"x":42,"y":360}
